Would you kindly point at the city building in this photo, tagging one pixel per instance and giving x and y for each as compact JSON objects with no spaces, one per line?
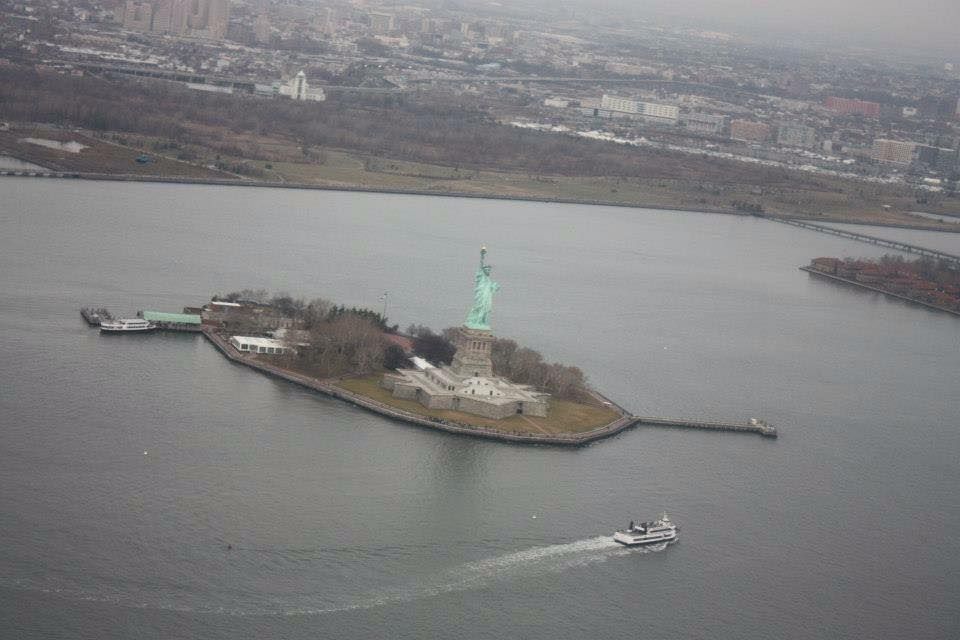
{"x":262,"y":29}
{"x":206,"y":18}
{"x":941,"y":159}
{"x":381,"y":22}
{"x":659,"y":113}
{"x":792,"y":134}
{"x":622,"y":105}
{"x":251,"y":344}
{"x":299,"y":89}
{"x":650,"y":111}
{"x":893,"y":151}
{"x":138,"y":16}
{"x":938,"y":107}
{"x":926,"y":154}
{"x":749,"y":131}
{"x":705,"y":123}
{"x":948,"y":161}
{"x":218,"y":18}
{"x":850,"y":106}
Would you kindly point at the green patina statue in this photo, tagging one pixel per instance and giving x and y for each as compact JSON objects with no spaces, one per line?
{"x":483,"y":290}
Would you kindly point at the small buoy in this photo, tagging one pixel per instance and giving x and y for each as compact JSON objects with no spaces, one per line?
{"x":144,"y":452}
{"x":229,"y":547}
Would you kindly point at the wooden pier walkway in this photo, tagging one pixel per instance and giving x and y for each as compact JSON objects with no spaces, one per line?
{"x":883,"y":242}
{"x":752,"y":426}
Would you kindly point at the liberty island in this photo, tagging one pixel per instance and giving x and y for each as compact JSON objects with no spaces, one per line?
{"x":467,"y":396}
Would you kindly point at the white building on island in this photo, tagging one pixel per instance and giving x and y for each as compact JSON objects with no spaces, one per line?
{"x":252,"y":344}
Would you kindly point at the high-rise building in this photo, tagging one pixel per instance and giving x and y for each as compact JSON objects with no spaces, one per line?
{"x":299,"y":89}
{"x":138,"y":16}
{"x":218,"y":18}
{"x":893,"y":151}
{"x":381,"y":22}
{"x":170,"y":16}
{"x":749,"y":131}
{"x":791,"y":134}
{"x":262,"y":29}
{"x":848,"y":106}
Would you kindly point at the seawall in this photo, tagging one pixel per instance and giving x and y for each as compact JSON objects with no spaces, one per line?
{"x":328,"y":388}
{"x":625,"y":421}
{"x":862,"y":285}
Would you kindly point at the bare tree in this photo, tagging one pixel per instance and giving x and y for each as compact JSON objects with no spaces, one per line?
{"x":316,"y":312}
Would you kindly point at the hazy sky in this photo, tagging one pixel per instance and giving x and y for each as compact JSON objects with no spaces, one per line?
{"x":933,"y":23}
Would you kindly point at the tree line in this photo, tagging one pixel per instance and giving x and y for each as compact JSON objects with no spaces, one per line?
{"x":344,"y":340}
{"x":444,"y":130}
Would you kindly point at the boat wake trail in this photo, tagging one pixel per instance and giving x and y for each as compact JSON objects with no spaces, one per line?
{"x":477,"y":574}
{"x":473,"y":575}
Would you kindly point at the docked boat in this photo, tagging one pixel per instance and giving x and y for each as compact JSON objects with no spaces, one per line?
{"x":661,"y":530}
{"x":127,"y":325}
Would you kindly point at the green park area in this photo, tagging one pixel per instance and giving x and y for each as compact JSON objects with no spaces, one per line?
{"x":564,"y":416}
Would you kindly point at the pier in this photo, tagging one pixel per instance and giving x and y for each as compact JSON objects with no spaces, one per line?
{"x":954,"y":260}
{"x":94,"y":316}
{"x":752,"y":426}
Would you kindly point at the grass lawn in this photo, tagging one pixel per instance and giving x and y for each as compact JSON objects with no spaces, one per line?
{"x":563,"y":416}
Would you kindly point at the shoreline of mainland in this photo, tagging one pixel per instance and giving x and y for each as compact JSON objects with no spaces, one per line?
{"x":185,"y":180}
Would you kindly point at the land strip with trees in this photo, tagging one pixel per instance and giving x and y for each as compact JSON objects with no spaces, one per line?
{"x":402,"y":142}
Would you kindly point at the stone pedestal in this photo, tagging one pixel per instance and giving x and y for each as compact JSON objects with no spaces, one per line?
{"x":473,"y":353}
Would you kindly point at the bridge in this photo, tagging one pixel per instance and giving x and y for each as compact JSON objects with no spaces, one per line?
{"x":954,"y":260}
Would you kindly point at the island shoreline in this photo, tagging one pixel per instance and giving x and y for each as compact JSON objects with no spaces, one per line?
{"x":329,"y":389}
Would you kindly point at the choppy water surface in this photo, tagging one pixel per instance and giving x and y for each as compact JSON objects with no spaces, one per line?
{"x":128,"y":464}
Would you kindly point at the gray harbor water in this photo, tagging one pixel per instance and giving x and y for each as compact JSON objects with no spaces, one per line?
{"x":129,"y":464}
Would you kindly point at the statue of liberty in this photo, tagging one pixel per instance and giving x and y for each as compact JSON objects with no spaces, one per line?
{"x":483,"y":290}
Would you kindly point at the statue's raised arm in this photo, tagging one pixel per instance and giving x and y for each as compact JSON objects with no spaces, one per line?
{"x":483,"y":290}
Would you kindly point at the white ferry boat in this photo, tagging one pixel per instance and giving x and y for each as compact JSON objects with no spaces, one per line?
{"x":662,"y":530}
{"x":127,"y":325}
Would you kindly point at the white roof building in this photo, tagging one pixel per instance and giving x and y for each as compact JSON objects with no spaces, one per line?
{"x":251,"y":344}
